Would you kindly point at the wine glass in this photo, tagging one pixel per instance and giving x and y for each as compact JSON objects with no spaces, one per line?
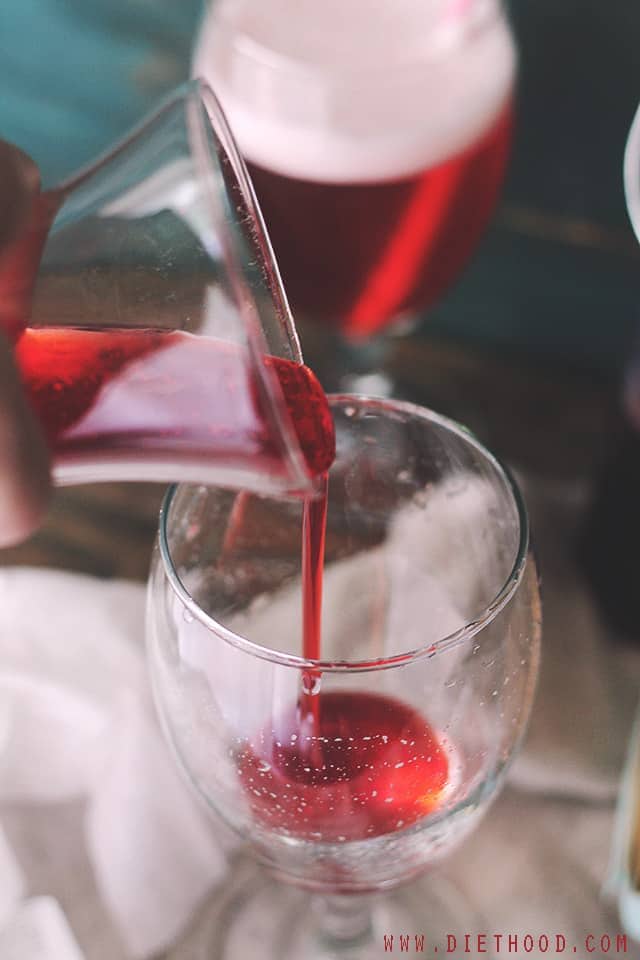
{"x":376,"y":136}
{"x":349,"y":775}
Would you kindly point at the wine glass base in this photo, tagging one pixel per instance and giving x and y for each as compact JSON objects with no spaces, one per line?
{"x":253,"y":917}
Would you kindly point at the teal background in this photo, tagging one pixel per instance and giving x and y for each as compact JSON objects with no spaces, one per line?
{"x":77,"y":74}
{"x":558,"y":273}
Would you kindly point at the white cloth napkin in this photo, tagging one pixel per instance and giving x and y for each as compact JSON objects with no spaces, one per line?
{"x":104,"y":851}
{"x":92,"y":809}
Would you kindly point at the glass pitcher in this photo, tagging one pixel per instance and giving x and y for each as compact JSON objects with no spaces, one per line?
{"x":159,"y":344}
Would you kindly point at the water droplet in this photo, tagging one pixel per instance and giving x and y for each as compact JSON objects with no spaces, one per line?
{"x":263,"y":766}
{"x":311,"y":683}
{"x":350,"y":411}
{"x":187,"y":616}
{"x":476,"y":647}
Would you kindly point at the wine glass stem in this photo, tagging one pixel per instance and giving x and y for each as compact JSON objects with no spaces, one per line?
{"x":343,"y":921}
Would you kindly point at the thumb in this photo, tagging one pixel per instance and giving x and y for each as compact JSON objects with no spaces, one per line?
{"x":24,"y":457}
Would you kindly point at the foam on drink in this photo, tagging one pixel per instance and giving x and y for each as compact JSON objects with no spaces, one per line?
{"x":363,"y":91}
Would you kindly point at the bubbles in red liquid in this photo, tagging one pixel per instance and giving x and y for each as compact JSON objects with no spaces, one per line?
{"x":363,"y":766}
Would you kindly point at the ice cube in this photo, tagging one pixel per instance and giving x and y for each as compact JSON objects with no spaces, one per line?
{"x":11,"y":881}
{"x":51,"y":740}
{"x":39,"y":931}
{"x":153,"y":852}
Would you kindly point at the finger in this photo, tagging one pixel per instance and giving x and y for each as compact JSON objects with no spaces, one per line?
{"x":24,"y":457}
{"x":19,"y":185}
{"x":26,"y":216}
{"x":19,"y":266}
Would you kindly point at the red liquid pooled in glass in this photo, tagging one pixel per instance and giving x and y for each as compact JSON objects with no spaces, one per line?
{"x":115,"y":392}
{"x":346,"y":765}
{"x":358,"y":255}
{"x":368,"y":766}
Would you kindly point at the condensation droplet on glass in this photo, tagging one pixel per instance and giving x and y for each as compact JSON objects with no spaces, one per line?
{"x":311,"y":683}
{"x":476,"y":647}
{"x":450,"y":683}
{"x":350,"y":411}
{"x":187,"y":616}
{"x":264,"y":766}
{"x":192,"y":531}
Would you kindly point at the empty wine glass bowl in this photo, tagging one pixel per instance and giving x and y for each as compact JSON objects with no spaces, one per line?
{"x":353,"y":773}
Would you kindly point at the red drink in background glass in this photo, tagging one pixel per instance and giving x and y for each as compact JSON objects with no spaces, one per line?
{"x":377,"y":138}
{"x":362,"y":254}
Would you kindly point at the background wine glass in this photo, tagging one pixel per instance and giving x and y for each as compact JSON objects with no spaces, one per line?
{"x":376,"y":136}
{"x":351,"y":774}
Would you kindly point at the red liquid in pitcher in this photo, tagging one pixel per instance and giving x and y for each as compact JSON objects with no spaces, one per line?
{"x":360,"y":254}
{"x":115,"y":394}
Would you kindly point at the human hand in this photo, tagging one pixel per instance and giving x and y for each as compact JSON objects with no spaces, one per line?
{"x":24,"y":457}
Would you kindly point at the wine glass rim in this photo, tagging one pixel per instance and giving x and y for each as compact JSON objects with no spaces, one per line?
{"x":631,"y":173}
{"x":453,"y":639}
